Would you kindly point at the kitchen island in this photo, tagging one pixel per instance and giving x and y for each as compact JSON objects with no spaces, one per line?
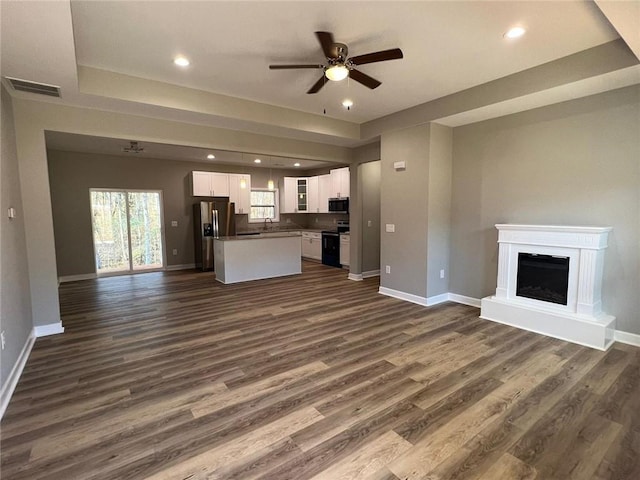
{"x":253,"y":257}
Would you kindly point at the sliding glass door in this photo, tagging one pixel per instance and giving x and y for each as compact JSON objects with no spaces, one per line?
{"x":127,"y":230}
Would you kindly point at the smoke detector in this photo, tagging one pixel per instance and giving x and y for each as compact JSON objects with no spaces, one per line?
{"x":133,"y":148}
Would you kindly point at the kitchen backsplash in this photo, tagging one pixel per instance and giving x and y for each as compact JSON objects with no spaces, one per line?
{"x":320,"y":221}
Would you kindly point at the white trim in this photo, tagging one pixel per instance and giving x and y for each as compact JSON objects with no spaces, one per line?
{"x":626,"y":337}
{"x":361,"y":276}
{"x":16,"y":372}
{"x":186,"y":266}
{"x":75,"y":278}
{"x":472,"y":302}
{"x":410,"y":297}
{"x":436,"y":299}
{"x":49,"y":329}
{"x":371,"y":273}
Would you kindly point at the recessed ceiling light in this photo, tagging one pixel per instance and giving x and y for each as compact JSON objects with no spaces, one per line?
{"x":211,"y":156}
{"x":515,"y":32}
{"x":257,"y":160}
{"x":181,"y":61}
{"x":347,"y":103}
{"x":297,"y":164}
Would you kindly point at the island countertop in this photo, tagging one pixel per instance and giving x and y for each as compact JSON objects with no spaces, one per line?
{"x":258,"y":236}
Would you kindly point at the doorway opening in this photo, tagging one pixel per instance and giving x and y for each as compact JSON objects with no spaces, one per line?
{"x":127,"y":230}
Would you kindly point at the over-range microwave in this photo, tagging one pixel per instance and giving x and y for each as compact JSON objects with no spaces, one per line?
{"x":339,"y":205}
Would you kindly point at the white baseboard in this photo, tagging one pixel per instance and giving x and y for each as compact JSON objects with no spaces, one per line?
{"x":75,"y":278}
{"x":472,"y":302}
{"x":361,"y":276}
{"x":626,"y":337}
{"x":12,"y":380}
{"x":186,"y":266}
{"x":49,"y":329}
{"x":410,"y":297}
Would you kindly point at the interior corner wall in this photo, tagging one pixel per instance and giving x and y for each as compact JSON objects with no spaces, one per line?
{"x":370,"y":220}
{"x":403,"y":198}
{"x":15,"y":298}
{"x":573,"y":163}
{"x":439,"y":209}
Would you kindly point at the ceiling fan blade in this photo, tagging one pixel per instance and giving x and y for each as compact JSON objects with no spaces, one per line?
{"x":318,"y":85}
{"x":364,"y":79}
{"x":287,"y":67}
{"x":326,"y":42}
{"x":381,"y":56}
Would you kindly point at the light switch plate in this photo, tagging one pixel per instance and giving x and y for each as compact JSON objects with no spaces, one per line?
{"x":390,"y":227}
{"x":174,"y":223}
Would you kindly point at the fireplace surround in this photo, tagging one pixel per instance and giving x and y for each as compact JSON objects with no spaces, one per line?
{"x":559,"y":291}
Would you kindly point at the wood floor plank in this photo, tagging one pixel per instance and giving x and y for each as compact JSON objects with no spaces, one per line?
{"x":174,"y":375}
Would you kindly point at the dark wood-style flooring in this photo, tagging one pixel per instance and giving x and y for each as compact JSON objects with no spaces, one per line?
{"x":176,"y":376}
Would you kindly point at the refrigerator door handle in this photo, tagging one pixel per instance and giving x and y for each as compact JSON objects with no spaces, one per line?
{"x":215,"y":224}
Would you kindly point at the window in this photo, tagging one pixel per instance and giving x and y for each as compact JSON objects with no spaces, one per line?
{"x":264,"y":205}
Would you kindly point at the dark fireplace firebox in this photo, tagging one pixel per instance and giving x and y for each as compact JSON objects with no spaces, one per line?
{"x":543,"y":277}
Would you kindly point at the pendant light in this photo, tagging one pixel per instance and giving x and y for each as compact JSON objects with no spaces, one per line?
{"x":243,"y":179}
{"x":270,"y":184}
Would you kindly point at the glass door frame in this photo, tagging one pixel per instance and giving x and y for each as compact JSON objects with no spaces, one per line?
{"x":130,"y":270}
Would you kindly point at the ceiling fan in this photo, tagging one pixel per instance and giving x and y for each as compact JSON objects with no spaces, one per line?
{"x":340,"y":66}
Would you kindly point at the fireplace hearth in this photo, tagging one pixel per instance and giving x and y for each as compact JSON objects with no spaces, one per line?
{"x":550,"y":282}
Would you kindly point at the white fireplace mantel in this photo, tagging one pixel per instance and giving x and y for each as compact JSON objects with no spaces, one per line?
{"x":581,"y":320}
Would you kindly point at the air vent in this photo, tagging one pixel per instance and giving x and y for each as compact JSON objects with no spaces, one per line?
{"x":33,"y":87}
{"x":133,"y":148}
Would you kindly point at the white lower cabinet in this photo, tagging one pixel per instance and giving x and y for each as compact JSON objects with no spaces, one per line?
{"x":312,"y":245}
{"x":344,"y":250}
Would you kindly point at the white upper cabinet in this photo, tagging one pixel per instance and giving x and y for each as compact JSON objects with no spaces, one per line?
{"x":340,"y":182}
{"x":288,"y":195}
{"x":239,"y":195}
{"x":312,"y":195}
{"x":210,"y":184}
{"x":324,"y":193}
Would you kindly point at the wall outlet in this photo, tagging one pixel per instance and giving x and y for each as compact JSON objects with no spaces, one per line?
{"x":174,"y":223}
{"x":175,"y":251}
{"x":369,"y":223}
{"x":288,"y":220}
{"x":390,"y":227}
{"x":316,"y":219}
{"x":335,"y":221}
{"x":387,"y":269}
{"x":442,"y":273}
{"x":2,"y":339}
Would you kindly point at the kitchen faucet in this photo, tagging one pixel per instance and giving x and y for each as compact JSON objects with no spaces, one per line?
{"x":265,"y":223}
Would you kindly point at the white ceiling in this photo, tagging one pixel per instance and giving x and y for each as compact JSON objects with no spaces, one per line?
{"x":448,"y":46}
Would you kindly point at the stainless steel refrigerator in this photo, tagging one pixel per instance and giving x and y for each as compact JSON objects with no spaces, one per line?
{"x":211,"y":220}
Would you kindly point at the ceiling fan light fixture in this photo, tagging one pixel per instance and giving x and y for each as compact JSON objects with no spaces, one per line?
{"x":336,"y":73}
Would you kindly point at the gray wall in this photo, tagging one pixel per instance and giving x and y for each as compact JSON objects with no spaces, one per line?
{"x":370,"y":198}
{"x":404,"y":196}
{"x":575,"y":163}
{"x":72,"y":174}
{"x":439,"y":209}
{"x":15,"y":299}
